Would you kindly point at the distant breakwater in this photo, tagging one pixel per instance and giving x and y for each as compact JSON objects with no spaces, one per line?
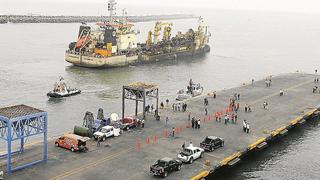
{"x":87,"y":19}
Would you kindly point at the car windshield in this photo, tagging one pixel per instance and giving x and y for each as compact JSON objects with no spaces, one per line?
{"x":186,"y":152}
{"x":103,"y":130}
{"x":161,"y":163}
{"x":207,"y":140}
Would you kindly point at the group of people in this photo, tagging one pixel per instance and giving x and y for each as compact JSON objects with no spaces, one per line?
{"x":233,"y":117}
{"x":205,"y":102}
{"x":247,"y":108}
{"x":268,"y":81}
{"x":236,"y":96}
{"x":233,"y":105}
{"x":179,"y":107}
{"x":265,"y":105}
{"x":314,"y":90}
{"x":195,"y":123}
{"x":149,"y":108}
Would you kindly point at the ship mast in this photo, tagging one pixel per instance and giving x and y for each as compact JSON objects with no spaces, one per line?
{"x":111,"y":8}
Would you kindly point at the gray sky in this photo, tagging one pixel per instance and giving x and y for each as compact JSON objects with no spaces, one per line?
{"x":87,"y":7}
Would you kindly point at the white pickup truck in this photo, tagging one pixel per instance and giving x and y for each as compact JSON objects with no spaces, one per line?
{"x":191,"y":153}
{"x":106,"y":132}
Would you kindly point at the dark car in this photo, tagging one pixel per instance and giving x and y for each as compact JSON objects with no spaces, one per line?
{"x":165,"y":165}
{"x":211,"y":143}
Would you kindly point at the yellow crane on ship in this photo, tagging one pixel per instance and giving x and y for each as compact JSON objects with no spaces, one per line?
{"x":157,"y":28}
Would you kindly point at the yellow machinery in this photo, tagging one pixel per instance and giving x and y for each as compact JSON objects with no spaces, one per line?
{"x":149,"y":40}
{"x":157,"y":29}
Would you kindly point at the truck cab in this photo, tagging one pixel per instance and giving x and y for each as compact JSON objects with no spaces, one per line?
{"x":191,"y":153}
{"x":107,"y":131}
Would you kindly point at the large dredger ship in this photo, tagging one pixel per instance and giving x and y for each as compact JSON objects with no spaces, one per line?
{"x":114,"y":43}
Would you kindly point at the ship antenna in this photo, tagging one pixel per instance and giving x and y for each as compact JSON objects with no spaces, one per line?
{"x":111,"y":8}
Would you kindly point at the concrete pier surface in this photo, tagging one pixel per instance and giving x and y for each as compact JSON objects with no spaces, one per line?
{"x":130,"y":155}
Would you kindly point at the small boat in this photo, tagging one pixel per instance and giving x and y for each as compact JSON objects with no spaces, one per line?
{"x":61,"y":90}
{"x":192,"y":90}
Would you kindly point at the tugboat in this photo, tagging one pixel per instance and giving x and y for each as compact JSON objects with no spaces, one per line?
{"x":191,"y":91}
{"x":61,"y":90}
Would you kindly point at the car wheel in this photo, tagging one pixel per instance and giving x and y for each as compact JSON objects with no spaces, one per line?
{"x":191,"y":160}
{"x":72,"y":149}
{"x":222,"y":144}
{"x":57,"y":144}
{"x":179,"y":167}
{"x":127,"y":128}
{"x":165,"y":174}
{"x":202,"y":155}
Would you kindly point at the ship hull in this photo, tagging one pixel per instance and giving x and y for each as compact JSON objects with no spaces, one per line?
{"x":120,"y":61}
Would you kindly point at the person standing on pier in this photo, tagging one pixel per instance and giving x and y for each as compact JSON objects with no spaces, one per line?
{"x":206,"y":111}
{"x":281,"y":92}
{"x":248,"y":127}
{"x":244,"y":125}
{"x":183,"y":146}
{"x":238,"y":96}
{"x":173,"y":130}
{"x":193,"y":122}
{"x":252,"y":81}
{"x":167,"y":101}
{"x":198,"y":124}
{"x":142,"y":123}
{"x":214,"y":95}
{"x":225,"y":119}
{"x":167,"y":119}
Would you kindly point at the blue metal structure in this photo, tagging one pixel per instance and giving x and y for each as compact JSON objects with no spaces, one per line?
{"x":18,"y":123}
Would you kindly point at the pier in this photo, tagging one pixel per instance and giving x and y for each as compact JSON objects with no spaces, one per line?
{"x":130,"y":155}
{"x":87,"y":19}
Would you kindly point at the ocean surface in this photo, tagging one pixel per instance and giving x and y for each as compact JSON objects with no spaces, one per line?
{"x":244,"y":45}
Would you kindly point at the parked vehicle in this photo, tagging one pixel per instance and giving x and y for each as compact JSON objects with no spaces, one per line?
{"x":107,"y":131}
{"x":129,"y":123}
{"x":211,"y":143}
{"x":191,"y":153}
{"x":164,"y":166}
{"x":72,"y":142}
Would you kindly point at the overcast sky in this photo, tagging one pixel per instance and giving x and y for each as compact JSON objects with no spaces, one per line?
{"x":52,"y":7}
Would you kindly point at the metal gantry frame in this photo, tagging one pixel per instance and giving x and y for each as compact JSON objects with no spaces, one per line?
{"x":18,"y":123}
{"x":138,"y":92}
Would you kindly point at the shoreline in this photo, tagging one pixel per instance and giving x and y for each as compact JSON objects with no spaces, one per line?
{"x":4,"y":19}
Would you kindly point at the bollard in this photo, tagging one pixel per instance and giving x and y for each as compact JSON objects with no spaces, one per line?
{"x":181,"y":128}
{"x":188,"y":125}
{"x":148,"y":140}
{"x":138,"y":144}
{"x":155,"y":139}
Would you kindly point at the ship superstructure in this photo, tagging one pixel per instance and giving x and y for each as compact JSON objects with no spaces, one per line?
{"x":114,"y":43}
